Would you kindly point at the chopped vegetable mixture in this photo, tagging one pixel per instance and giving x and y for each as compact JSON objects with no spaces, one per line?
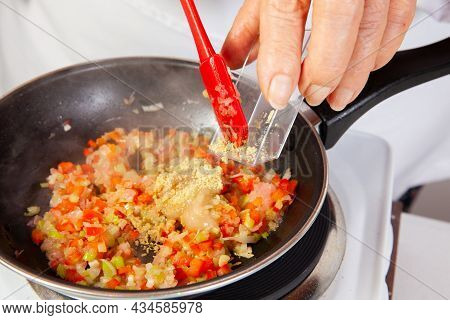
{"x":189,"y":210}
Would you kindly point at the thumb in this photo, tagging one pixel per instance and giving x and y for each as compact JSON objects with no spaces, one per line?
{"x":282,"y":25}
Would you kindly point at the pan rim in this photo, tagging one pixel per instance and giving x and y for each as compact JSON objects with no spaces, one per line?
{"x":74,"y":290}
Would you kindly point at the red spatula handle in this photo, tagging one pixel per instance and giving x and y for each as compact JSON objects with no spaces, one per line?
{"x":204,"y":47}
{"x":221,"y":90}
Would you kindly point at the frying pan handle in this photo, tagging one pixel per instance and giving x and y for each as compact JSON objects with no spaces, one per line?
{"x":406,"y":69}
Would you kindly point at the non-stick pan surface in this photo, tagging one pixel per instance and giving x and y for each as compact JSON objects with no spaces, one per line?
{"x":90,"y":97}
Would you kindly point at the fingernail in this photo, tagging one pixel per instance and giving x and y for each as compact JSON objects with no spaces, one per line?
{"x":280,"y":91}
{"x":316,"y":94}
{"x":341,"y":98}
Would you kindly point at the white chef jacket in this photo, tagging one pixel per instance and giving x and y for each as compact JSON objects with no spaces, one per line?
{"x":37,"y":36}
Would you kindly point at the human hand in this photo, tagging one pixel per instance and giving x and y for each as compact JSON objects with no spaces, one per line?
{"x":349,"y":39}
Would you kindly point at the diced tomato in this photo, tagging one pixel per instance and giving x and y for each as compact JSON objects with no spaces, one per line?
{"x":93,"y":231}
{"x":227,"y":230}
{"x":234,"y":200}
{"x":257,"y":169}
{"x":133,"y":235}
{"x":73,"y":276}
{"x":37,"y":236}
{"x":90,"y":214}
{"x":65,"y":206}
{"x":180,"y":274}
{"x":120,"y":214}
{"x":177,"y":247}
{"x":205,"y":245}
{"x":75,"y":243}
{"x":100,"y":204}
{"x":210,"y":274}
{"x":124,"y":270}
{"x":217,"y":245}
{"x":74,"y":189}
{"x":53,"y":264}
{"x":277,"y":195}
{"x":225,"y":188}
{"x":180,"y":259}
{"x":255,"y":204}
{"x":255,"y":216}
{"x":87,"y":168}
{"x":91,"y":143}
{"x":114,"y":135}
{"x":208,"y":264}
{"x":283,"y":185}
{"x":115,"y":180}
{"x":66,"y":167}
{"x":168,"y":243}
{"x":73,"y":258}
{"x":245,"y":185}
{"x":87,"y":151}
{"x":144,"y":198}
{"x":223,"y":270}
{"x":292,"y":186}
{"x":69,"y":188}
{"x":134,"y":261}
{"x":65,"y":226}
{"x":224,"y":167}
{"x":195,"y":267}
{"x":195,"y":248}
{"x":100,"y":141}
{"x":263,"y":227}
{"x":113,"y":283}
{"x":276,"y":179}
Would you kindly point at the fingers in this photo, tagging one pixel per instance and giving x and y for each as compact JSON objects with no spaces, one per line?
{"x":243,"y":35}
{"x":334,"y":33}
{"x":281,"y":32}
{"x":400,"y":16}
{"x":364,"y":55}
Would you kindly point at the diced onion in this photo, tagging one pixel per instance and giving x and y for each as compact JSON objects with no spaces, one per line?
{"x":32,"y":211}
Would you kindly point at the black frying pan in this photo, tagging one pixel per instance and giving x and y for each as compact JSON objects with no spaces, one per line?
{"x":90,"y":96}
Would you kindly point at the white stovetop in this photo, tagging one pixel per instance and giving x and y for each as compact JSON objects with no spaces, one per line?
{"x":423,"y":259}
{"x":363,"y":183}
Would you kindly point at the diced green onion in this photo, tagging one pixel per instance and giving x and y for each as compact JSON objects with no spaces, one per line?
{"x":61,"y":271}
{"x":55,"y":234}
{"x":118,"y":262}
{"x":265,"y":235}
{"x":243,"y":201}
{"x":111,"y":218}
{"x":40,"y":224}
{"x":90,"y":255}
{"x":108,"y":269}
{"x":247,"y":220}
{"x":201,"y":236}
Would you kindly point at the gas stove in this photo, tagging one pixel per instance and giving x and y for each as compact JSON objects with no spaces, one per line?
{"x":346,"y":253}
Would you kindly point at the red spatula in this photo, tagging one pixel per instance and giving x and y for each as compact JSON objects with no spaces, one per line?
{"x":221,"y":91}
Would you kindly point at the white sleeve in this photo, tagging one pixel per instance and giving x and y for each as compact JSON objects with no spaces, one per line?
{"x":440,"y":9}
